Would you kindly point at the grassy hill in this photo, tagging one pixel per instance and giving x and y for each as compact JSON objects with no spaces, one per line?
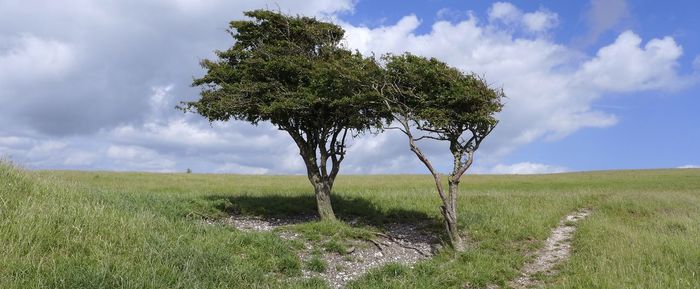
{"x":67,"y":229}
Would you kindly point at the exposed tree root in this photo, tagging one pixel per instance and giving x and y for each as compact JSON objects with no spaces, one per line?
{"x":401,"y":244}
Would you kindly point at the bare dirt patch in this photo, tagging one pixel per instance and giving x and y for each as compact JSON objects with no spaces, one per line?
{"x":557,"y":249}
{"x":402,"y":243}
{"x":260,"y":224}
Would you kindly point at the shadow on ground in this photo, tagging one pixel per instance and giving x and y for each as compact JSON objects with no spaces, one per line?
{"x":303,"y":208}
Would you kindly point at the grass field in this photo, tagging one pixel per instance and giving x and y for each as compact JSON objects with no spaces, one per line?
{"x":65,"y":229}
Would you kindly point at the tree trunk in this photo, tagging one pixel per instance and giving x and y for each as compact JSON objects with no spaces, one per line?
{"x":323,"y":200}
{"x":449,"y":212}
{"x":451,"y":227}
{"x":317,"y":171}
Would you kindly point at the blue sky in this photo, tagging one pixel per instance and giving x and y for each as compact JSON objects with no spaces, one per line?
{"x":592,"y":84}
{"x":655,"y":128}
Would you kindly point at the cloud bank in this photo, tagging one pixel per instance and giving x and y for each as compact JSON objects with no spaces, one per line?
{"x":94,"y":87}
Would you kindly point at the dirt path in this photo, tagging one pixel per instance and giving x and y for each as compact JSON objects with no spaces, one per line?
{"x":557,"y":249}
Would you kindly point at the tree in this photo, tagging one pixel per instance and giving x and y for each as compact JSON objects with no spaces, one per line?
{"x":293,"y":72}
{"x":431,"y":100}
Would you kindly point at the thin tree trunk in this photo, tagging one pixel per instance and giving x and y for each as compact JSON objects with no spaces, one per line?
{"x":449,"y":201}
{"x":449,"y":212}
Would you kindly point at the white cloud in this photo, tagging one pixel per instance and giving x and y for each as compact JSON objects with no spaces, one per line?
{"x":129,"y":152}
{"x":291,"y":161}
{"x":450,"y":14}
{"x":625,"y":65}
{"x":689,"y":167}
{"x":189,"y":141}
{"x":80,"y":158}
{"x":163,"y":128}
{"x":536,"y":22}
{"x":174,"y":131}
{"x":369,"y":155}
{"x":696,"y":62}
{"x":39,"y":152}
{"x":140,"y":158}
{"x":48,"y":147}
{"x":30,"y":58}
{"x":158,"y":99}
{"x":108,"y":54}
{"x":540,"y":21}
{"x":505,"y":12}
{"x":526,"y":168}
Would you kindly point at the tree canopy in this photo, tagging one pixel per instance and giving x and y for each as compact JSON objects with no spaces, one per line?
{"x":431,"y":100}
{"x":293,"y":72}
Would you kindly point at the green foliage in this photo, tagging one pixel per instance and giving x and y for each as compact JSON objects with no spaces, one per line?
{"x":444,"y":104}
{"x":291,"y":71}
{"x":440,"y":99}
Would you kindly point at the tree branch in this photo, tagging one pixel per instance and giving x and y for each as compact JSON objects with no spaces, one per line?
{"x":431,"y":137}
{"x":337,"y":156}
{"x":396,"y":128}
{"x":417,"y":151}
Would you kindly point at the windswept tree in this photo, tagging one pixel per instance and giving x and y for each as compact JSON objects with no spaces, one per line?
{"x":293,"y":72}
{"x":431,"y":100}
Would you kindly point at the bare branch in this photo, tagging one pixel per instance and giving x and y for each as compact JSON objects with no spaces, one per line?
{"x":396,"y":128}
{"x":457,"y":175}
{"x":417,"y":151}
{"x":431,"y":137}
{"x":338,"y":155}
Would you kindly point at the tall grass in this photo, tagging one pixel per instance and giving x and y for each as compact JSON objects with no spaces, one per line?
{"x":64,"y":229}
{"x":59,"y":235}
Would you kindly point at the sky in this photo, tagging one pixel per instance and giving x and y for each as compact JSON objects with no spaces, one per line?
{"x":590,"y":85}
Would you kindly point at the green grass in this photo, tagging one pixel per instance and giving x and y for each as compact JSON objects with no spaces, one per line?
{"x":65,"y":229}
{"x":316,"y":264}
